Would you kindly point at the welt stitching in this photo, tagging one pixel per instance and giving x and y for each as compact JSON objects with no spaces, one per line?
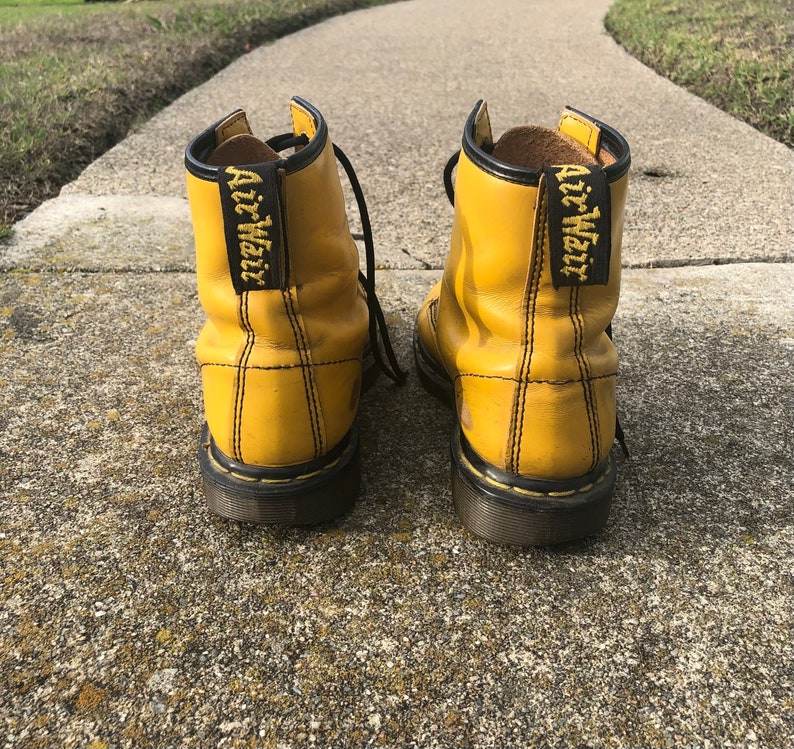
{"x":308,"y":381}
{"x":583,"y":369}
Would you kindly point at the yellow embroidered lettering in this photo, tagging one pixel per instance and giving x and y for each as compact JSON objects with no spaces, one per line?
{"x":251,"y":197}
{"x":249,"y":250}
{"x":580,"y":201}
{"x":251,"y":208}
{"x":582,"y":225}
{"x":565,"y":187}
{"x":256,"y":233}
{"x":248,"y":265}
{"x":238,"y":196}
{"x":578,"y":230}
{"x":242,"y":177}
{"x":572,"y":270}
{"x":257,"y":278}
{"x":570,"y":170}
{"x":574,"y":244}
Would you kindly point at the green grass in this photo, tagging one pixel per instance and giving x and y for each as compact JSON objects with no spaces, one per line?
{"x":75,"y":78}
{"x":14,"y":11}
{"x":736,"y":54}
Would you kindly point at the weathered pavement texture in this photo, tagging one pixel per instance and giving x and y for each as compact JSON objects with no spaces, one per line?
{"x":131,"y":617}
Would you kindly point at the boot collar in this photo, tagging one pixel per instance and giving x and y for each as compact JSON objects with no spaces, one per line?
{"x":478,"y":144}
{"x":199,"y":149}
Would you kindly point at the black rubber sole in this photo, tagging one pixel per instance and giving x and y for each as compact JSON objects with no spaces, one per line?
{"x":516,"y":510}
{"x":312,"y":493}
{"x":308,"y":494}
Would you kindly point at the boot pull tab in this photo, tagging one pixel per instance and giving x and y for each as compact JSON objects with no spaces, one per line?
{"x":483,"y":135}
{"x":235,"y":124}
{"x":579,"y":224}
{"x":581,"y":128}
{"x":253,"y":224}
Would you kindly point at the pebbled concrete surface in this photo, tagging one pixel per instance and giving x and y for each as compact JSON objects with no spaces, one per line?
{"x":131,"y":617}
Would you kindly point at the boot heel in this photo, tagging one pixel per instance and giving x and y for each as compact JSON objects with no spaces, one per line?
{"x":311,"y":493}
{"x":509,"y":509}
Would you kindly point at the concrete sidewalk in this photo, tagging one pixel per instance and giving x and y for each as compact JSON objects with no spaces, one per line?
{"x":131,"y":617}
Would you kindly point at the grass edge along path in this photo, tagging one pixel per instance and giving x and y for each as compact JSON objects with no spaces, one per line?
{"x":736,"y":54}
{"x":72,"y":85}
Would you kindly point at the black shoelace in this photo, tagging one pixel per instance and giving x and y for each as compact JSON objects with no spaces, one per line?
{"x":378,"y":330}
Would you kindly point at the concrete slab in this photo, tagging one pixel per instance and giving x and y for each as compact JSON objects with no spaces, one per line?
{"x":103,"y":232}
{"x":131,"y":617}
{"x":397,"y":82}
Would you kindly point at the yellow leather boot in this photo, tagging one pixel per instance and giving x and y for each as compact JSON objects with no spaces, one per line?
{"x":291,"y":324}
{"x":517,"y":330}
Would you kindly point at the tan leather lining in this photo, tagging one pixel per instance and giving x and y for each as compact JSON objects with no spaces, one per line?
{"x":535,"y":147}
{"x":242,"y":149}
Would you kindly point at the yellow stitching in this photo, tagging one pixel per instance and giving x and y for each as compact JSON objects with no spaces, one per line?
{"x":496,"y":483}
{"x":252,"y":480}
{"x":528,"y":492}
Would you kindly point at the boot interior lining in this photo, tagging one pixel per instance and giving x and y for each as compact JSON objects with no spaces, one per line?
{"x":534,"y":147}
{"x":242,"y":149}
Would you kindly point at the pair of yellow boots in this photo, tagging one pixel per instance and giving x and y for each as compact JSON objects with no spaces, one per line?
{"x":516,"y":334}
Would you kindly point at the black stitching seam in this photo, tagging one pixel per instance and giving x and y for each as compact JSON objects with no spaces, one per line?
{"x":432,"y":313}
{"x":528,"y":381}
{"x":520,"y":399}
{"x":242,"y":364}
{"x":287,"y":366}
{"x":230,"y":124}
{"x":584,"y":371}
{"x":306,"y":369}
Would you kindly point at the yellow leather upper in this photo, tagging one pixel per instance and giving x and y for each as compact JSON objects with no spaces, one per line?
{"x":281,"y":368}
{"x":533,"y":369}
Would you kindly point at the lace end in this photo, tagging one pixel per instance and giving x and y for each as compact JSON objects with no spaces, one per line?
{"x":621,"y":438}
